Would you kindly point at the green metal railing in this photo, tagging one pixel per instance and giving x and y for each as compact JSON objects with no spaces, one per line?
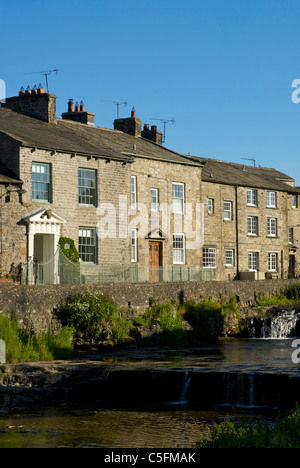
{"x":145,"y":274}
{"x":60,"y":270}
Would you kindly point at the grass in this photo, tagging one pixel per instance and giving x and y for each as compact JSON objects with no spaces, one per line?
{"x":27,"y":346}
{"x":285,"y":433}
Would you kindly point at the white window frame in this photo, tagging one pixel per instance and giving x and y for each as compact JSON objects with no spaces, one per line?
{"x":252,"y":225}
{"x":209,"y":257}
{"x":271,"y":199}
{"x":154,"y":200}
{"x":253,"y":261}
{"x":272,"y":261}
{"x":178,"y":248}
{"x":133,"y":192}
{"x":251,"y":197}
{"x":231,"y":256}
{"x":228,"y":210}
{"x":42,"y":187}
{"x":134,"y":245}
{"x":88,"y":248}
{"x":178,"y":202}
{"x":211,"y":205}
{"x":272,"y":227}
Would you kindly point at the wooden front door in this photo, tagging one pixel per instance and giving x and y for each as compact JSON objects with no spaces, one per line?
{"x":154,"y":260}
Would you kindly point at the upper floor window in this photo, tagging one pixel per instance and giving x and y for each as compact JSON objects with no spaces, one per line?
{"x":87,"y":187}
{"x":154,"y":199}
{"x":252,"y":197}
{"x":87,"y":245}
{"x":133,"y":200}
{"x":178,"y":197}
{"x":271,"y":199}
{"x":272,"y":227}
{"x":211,"y":206}
{"x":228,"y":214}
{"x":41,"y":182}
{"x":294,"y":201}
{"x":291,"y":235}
{"x":252,"y":225}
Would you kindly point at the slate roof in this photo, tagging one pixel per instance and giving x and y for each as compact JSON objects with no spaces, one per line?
{"x":69,"y":136}
{"x":223,"y":172}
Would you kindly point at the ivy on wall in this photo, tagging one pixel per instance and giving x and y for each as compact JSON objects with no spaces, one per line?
{"x":68,"y":247}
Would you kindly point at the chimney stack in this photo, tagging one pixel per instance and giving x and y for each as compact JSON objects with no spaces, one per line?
{"x":153,"y":134}
{"x":79,"y":114}
{"x":34,"y":103}
{"x":131,"y":125}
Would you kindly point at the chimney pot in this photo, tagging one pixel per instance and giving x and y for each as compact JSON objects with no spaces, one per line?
{"x":28,"y":90}
{"x":71,"y":105}
{"x":146,"y":127}
{"x":81,"y":106}
{"x":153,"y":127}
{"x":133,"y":113}
{"x":76,"y":106}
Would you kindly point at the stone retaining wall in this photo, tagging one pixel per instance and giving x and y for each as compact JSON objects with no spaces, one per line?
{"x":34,"y":305}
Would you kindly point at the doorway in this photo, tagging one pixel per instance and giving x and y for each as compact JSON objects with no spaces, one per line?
{"x":155,"y":260}
{"x":44,"y":251}
{"x":292,"y":264}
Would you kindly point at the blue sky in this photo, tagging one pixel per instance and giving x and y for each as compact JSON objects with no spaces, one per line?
{"x":223,"y":70}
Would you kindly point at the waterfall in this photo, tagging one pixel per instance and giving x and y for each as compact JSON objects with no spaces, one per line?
{"x":282,"y":325}
{"x":185,"y":388}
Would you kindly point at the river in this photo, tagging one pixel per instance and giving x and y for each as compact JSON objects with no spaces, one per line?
{"x":176,"y":424}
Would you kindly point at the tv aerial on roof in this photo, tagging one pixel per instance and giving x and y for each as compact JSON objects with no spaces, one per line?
{"x":165,"y":122}
{"x":118,"y":104}
{"x":46,"y":74}
{"x":251,"y":159}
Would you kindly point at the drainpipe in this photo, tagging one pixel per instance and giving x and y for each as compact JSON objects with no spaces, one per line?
{"x":237,"y":233}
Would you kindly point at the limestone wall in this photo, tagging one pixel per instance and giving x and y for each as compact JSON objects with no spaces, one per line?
{"x":35,"y":305}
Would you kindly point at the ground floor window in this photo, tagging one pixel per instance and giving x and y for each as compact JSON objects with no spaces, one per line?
{"x":253,"y":261}
{"x":273,"y":261}
{"x":134,"y":239}
{"x":209,"y":256}
{"x":178,"y":249}
{"x":229,"y":257}
{"x":87,"y":245}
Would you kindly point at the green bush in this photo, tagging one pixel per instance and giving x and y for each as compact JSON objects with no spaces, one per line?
{"x":95,"y":318}
{"x":25,"y":346}
{"x":285,"y":433}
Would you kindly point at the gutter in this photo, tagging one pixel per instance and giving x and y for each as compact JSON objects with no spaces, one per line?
{"x":78,"y":153}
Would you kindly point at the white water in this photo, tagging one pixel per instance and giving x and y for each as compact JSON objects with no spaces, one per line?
{"x":281,"y":326}
{"x":185,"y":388}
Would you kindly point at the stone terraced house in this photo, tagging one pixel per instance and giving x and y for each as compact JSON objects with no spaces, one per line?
{"x":119,"y":194}
{"x":251,"y":222}
{"x":136,"y":210}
